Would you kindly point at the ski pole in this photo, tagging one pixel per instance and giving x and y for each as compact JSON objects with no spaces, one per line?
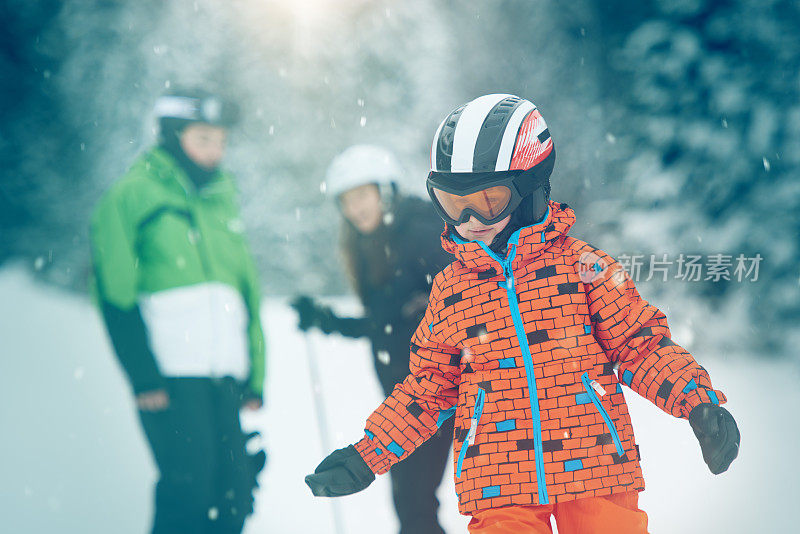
{"x":322,"y":423}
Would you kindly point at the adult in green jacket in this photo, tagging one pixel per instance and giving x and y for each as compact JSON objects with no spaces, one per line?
{"x":179,"y":295}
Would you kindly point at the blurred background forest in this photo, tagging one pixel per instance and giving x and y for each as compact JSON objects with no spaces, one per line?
{"x":677,"y":124}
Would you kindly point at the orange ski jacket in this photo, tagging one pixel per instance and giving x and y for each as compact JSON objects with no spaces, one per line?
{"x":529,"y":352}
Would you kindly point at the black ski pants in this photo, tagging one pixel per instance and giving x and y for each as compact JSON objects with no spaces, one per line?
{"x":414,"y":483}
{"x":206,"y":477}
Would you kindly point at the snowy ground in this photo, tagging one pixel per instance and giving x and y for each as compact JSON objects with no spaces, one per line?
{"x":72,"y":458}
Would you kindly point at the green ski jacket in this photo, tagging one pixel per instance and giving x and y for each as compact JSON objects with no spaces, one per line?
{"x":175,"y":279}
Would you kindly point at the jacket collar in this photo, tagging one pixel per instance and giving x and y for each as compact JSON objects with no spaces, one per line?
{"x":523,"y":245}
{"x":163,"y":166}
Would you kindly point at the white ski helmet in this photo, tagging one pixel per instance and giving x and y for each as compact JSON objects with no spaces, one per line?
{"x":360,"y":165}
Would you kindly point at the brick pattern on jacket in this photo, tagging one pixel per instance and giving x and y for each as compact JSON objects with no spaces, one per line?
{"x":588,"y":331}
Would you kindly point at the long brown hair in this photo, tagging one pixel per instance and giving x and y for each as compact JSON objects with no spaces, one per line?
{"x":369,"y":259}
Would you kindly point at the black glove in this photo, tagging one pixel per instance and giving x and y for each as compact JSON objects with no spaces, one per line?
{"x":343,"y":472}
{"x":312,"y":314}
{"x":306,"y":311}
{"x":258,"y":460}
{"x":718,"y":434}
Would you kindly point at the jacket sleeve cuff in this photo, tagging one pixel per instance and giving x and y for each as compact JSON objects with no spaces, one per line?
{"x":699,"y":396}
{"x":250,"y":394}
{"x":150,"y":384}
{"x":377,"y":459}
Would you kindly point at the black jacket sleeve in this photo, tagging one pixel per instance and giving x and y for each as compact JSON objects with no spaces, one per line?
{"x":353,"y":326}
{"x":129,"y":338}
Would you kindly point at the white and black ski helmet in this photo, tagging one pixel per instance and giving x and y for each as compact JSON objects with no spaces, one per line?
{"x":360,"y":165}
{"x":497,"y":132}
{"x":181,"y":107}
{"x":494,"y":139}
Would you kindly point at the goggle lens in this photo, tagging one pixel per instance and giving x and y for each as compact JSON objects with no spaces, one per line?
{"x":489,"y":202}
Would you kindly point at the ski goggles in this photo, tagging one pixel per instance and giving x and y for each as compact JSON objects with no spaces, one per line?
{"x":488,"y":196}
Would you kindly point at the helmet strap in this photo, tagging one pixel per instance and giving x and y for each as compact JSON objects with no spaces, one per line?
{"x":388,"y":193}
{"x":530,"y":211}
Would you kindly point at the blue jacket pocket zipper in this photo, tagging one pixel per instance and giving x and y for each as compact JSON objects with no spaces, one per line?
{"x":473,"y":429}
{"x":592,"y":388}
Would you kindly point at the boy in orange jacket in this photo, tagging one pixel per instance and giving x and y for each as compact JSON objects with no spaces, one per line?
{"x":528,"y":337}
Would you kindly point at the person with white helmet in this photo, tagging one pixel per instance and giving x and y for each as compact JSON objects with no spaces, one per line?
{"x":528,"y":337}
{"x":390,"y":245}
{"x":179,"y":294}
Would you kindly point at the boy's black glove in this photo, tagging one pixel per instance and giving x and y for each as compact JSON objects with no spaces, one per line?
{"x":718,"y":434}
{"x":312,"y":314}
{"x":343,"y":472}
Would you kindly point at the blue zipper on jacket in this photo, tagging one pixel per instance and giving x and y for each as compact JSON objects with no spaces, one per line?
{"x":519,"y":327}
{"x":473,"y":428}
{"x":587,"y":384}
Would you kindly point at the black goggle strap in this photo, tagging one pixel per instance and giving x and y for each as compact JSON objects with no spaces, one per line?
{"x":524,"y":182}
{"x":467,"y":183}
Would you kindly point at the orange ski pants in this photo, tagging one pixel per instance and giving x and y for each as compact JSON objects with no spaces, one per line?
{"x":611,"y":514}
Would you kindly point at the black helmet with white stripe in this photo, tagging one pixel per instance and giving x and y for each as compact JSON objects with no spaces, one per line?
{"x":488,"y":157}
